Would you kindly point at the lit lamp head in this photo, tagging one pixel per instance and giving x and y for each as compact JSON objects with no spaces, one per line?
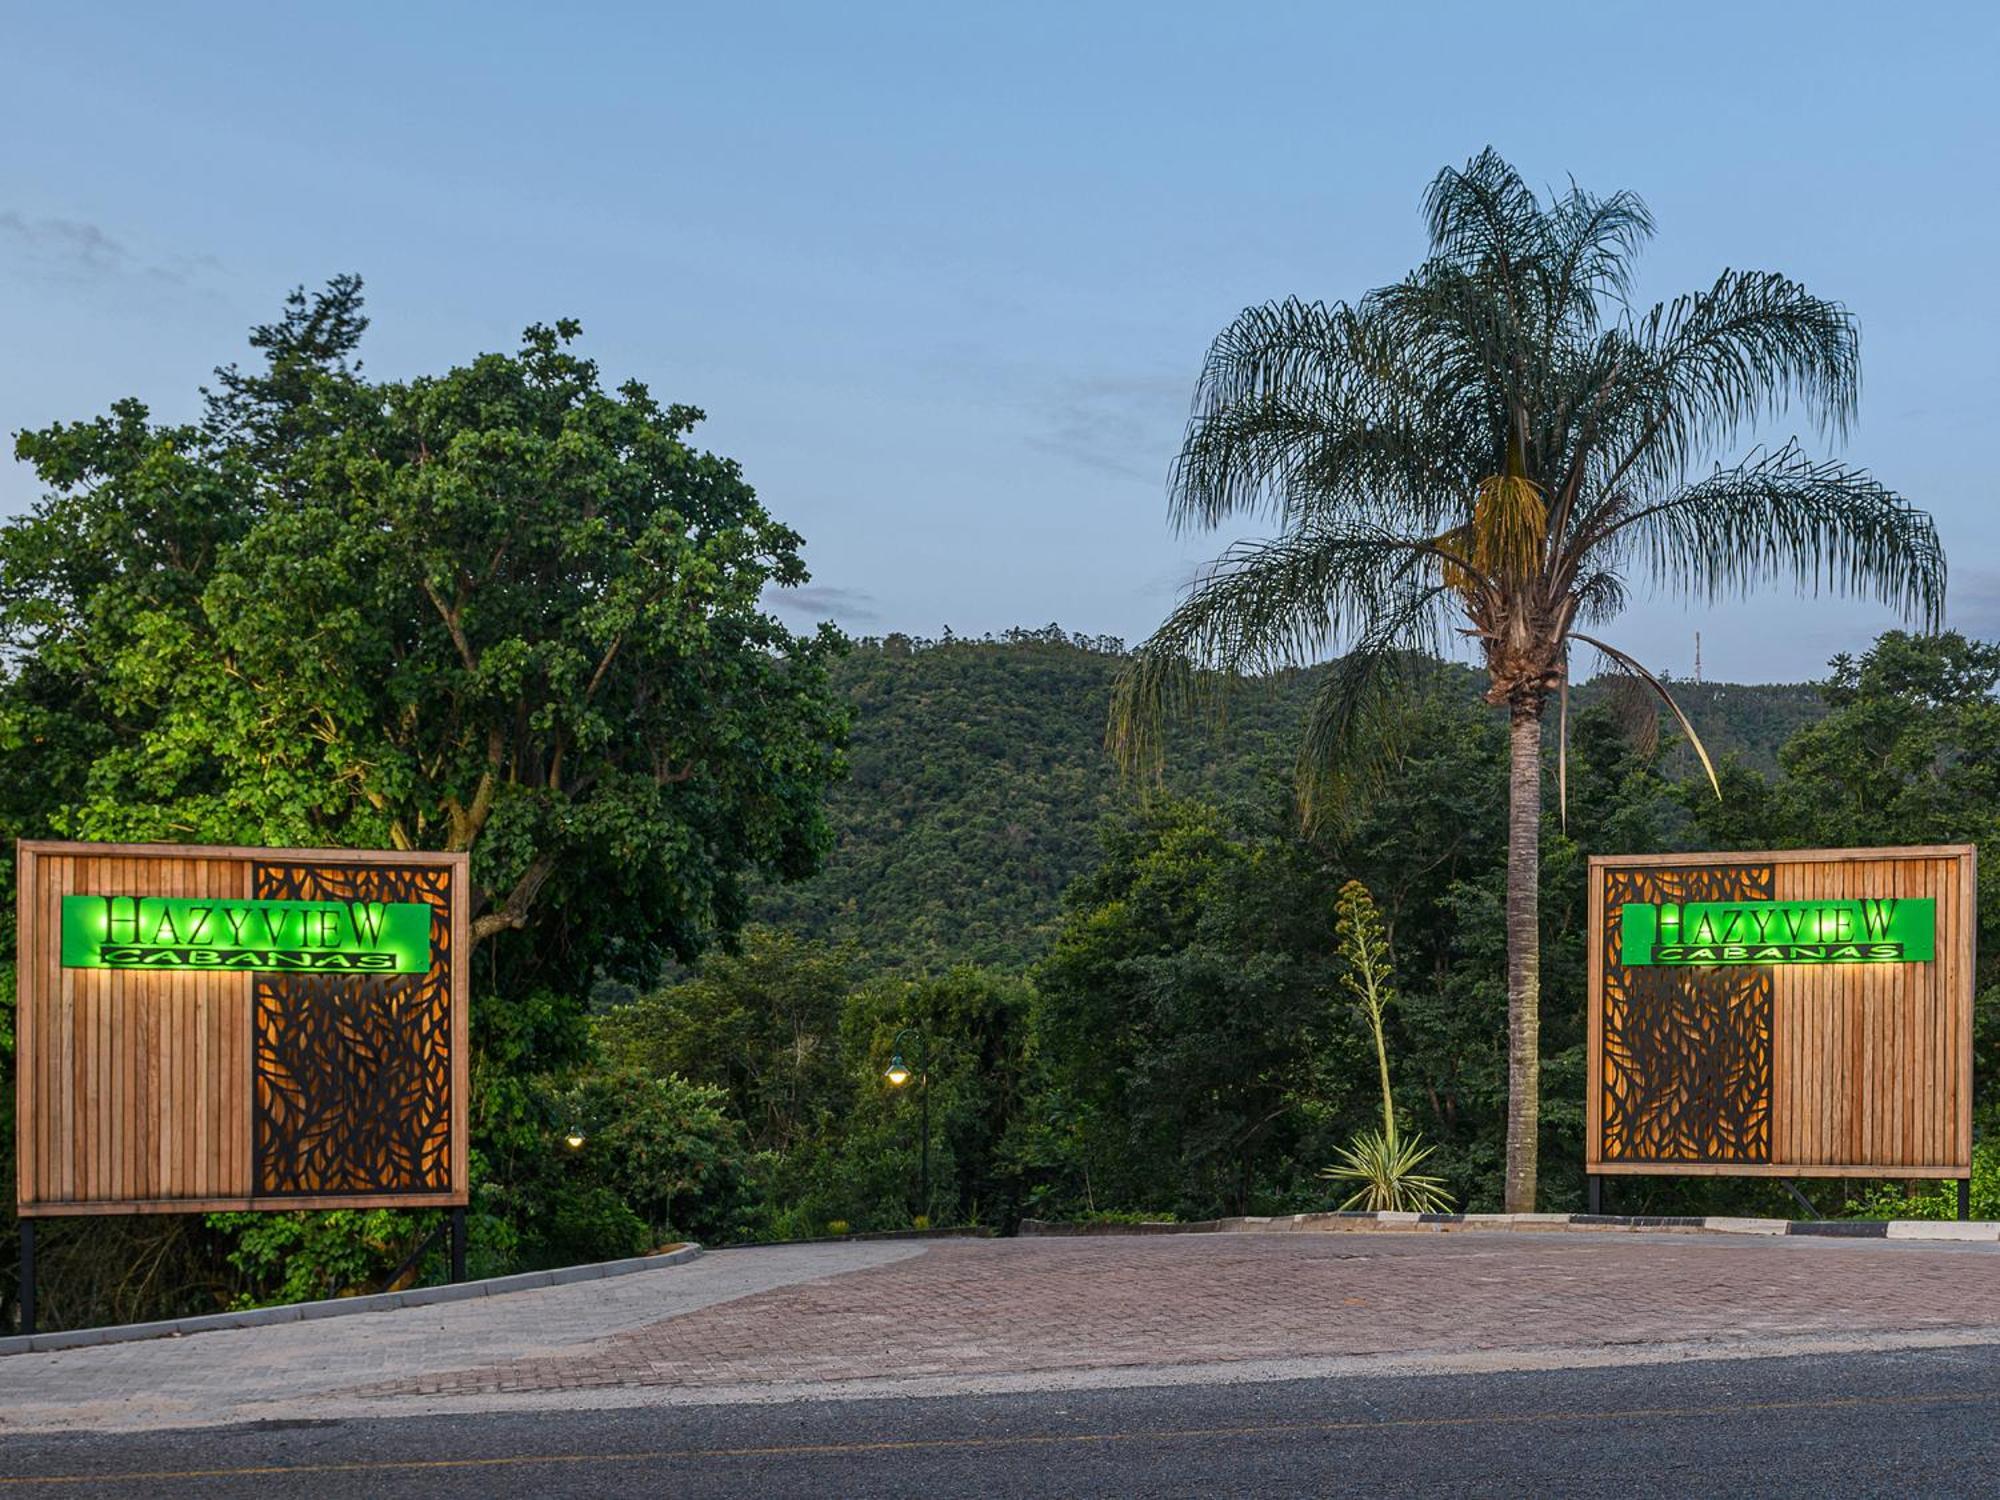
{"x":574,"y":1139}
{"x":898,"y":1075}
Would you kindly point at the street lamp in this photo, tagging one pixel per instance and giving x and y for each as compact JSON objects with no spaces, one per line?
{"x":898,"y":1074}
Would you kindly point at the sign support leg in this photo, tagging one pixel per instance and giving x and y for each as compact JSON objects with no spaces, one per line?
{"x":458,"y":1244}
{"x":1965,"y":1197}
{"x":27,"y":1275}
{"x":1595,"y":1185}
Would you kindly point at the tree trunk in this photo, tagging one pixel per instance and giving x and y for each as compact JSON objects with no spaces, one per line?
{"x":1524,"y":956}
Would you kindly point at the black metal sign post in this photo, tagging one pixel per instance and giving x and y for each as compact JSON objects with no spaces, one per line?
{"x":27,"y":1275}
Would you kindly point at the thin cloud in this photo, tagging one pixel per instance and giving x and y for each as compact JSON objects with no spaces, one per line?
{"x":1123,"y":425}
{"x":821,"y":600}
{"x":63,"y":244}
{"x":76,"y":251}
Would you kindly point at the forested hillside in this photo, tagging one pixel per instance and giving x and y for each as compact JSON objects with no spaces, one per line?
{"x":980,"y":778}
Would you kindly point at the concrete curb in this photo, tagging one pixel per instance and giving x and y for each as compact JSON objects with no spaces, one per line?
{"x":1983,"y":1231}
{"x":339,"y":1307}
{"x":960,"y":1232}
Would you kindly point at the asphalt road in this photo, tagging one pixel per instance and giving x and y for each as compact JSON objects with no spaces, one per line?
{"x":1878,"y":1424}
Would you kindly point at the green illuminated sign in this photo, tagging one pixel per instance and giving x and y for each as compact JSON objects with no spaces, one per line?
{"x":177,"y":933}
{"x":1877,"y":930}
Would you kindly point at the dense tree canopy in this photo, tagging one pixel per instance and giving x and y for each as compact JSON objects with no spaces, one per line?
{"x":979,"y":782}
{"x":499,"y":609}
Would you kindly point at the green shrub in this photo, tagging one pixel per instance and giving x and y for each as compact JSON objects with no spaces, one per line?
{"x":587,"y":1223}
{"x":1891,"y":1200}
{"x":300,"y":1257}
{"x":658,"y":1160}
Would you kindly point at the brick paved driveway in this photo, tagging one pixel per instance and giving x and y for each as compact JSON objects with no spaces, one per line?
{"x":981,"y":1308}
{"x":782,"y":1322}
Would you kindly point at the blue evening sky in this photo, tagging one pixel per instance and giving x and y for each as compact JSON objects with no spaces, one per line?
{"x":942,"y":275}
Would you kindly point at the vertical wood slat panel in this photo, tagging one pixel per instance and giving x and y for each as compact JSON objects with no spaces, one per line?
{"x":86,"y":989}
{"x":198,"y":1058}
{"x":1595,"y":1047}
{"x":138,"y":1080}
{"x":461,"y":1051}
{"x":107,"y":997}
{"x":1910,"y":880}
{"x":1936,"y":1141}
{"x":1964,"y":895}
{"x":1878,"y":1088}
{"x":156,"y":1070}
{"x":1860,"y":1000}
{"x":1940,"y":886}
{"x":82,"y":1009}
{"x":26,"y":1168}
{"x":1785,"y":1042}
{"x":62,"y":1047}
{"x":124,"y":1121}
{"x":186,"y":1128}
{"x":1913,"y":881}
{"x":1901,"y":1042}
{"x":34,"y":994}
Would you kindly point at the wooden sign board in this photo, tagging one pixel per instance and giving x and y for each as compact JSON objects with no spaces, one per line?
{"x":206,"y":1029}
{"x":1798,"y":1014}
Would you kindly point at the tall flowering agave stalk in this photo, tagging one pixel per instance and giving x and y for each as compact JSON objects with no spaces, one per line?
{"x":1382,"y":1164}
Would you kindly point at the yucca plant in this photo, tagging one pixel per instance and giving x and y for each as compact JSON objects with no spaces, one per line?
{"x":1382,"y":1164}
{"x":1385,"y":1169}
{"x":1495,"y":448}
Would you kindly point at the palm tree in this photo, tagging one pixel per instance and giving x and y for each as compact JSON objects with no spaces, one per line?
{"x":1496,"y":445}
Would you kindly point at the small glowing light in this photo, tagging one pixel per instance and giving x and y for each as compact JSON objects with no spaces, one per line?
{"x":898,"y":1075}
{"x":575,"y":1138}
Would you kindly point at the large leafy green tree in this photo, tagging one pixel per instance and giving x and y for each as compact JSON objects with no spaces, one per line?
{"x":1498,"y":446}
{"x":502,"y":609}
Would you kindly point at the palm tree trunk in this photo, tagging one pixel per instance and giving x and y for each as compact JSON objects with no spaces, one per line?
{"x":1524,"y":956}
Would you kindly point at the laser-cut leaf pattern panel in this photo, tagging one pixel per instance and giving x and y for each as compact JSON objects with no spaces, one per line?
{"x":1686,"y":1063}
{"x":353,"y":1072}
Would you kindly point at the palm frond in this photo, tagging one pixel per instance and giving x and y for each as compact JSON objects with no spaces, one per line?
{"x":1594,"y":242}
{"x":1636,"y":713}
{"x":1696,"y":371}
{"x":1628,"y":664}
{"x":1359,"y":721}
{"x":1783,"y":516}
{"x":1305,"y":408}
{"x":1483,"y":214}
{"x":1264,"y":607}
{"x":1600,"y":596}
